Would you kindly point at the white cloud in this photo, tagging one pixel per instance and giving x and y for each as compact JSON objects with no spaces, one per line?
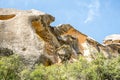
{"x":93,"y":10}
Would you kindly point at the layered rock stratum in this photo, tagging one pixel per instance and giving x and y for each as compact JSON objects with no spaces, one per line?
{"x":30,"y":35}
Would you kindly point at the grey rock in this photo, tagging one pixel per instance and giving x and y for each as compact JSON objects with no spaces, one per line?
{"x":18,"y":34}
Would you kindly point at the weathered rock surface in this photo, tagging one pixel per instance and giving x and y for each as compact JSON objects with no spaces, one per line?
{"x":17,"y":32}
{"x":112,"y":39}
{"x":113,"y":43}
{"x":29,"y":34}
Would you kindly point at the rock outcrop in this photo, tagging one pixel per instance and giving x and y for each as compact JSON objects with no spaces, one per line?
{"x":30,"y":35}
{"x":112,"y":39}
{"x":113,"y":43}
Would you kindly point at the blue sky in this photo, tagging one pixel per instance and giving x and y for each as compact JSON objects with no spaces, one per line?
{"x":96,"y":18}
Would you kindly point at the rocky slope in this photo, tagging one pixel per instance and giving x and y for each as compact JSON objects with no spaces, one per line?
{"x":30,"y":35}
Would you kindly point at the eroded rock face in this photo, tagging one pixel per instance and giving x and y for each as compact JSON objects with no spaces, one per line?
{"x":29,"y":34}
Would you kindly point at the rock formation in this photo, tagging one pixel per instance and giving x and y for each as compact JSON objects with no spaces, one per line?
{"x":113,"y":43}
{"x":30,"y":35}
{"x":112,"y":39}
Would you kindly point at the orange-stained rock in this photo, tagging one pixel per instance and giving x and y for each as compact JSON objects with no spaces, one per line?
{"x":6,"y":17}
{"x":30,"y":35}
{"x":65,"y":31}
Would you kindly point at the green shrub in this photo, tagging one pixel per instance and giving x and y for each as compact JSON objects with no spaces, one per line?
{"x":99,"y":69}
{"x":11,"y":68}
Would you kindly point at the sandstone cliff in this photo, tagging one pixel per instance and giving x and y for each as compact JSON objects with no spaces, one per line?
{"x":30,"y":35}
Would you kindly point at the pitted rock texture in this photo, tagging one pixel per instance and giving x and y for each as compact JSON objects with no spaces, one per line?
{"x":30,"y":35}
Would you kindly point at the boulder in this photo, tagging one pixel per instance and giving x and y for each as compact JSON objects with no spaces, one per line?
{"x":113,"y":43}
{"x":112,"y":39}
{"x":19,"y":32}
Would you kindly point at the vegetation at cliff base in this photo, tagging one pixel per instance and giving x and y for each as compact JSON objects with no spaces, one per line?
{"x":11,"y":68}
